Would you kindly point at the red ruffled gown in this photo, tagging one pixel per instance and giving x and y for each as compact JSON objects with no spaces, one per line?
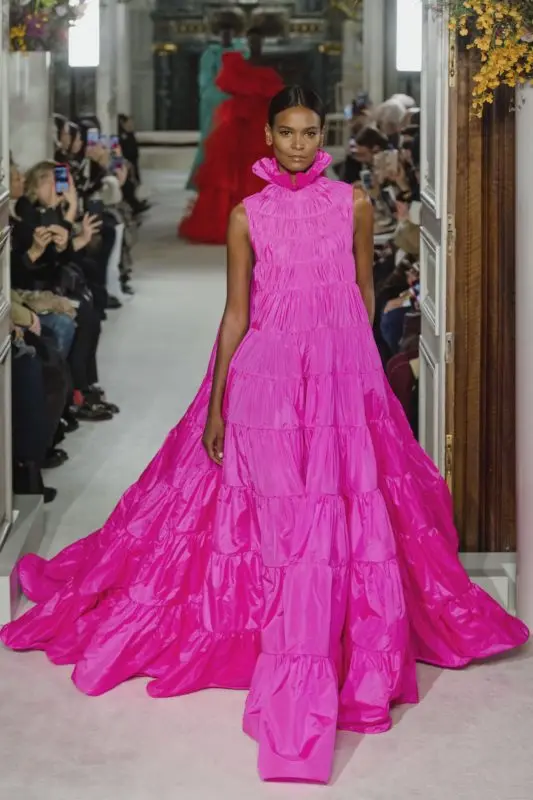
{"x":237,"y":141}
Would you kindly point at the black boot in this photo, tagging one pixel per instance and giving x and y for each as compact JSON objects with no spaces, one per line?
{"x":55,"y":457}
{"x":27,"y":480}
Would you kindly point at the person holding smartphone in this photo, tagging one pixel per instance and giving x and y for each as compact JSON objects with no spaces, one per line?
{"x":43,"y":253}
{"x":129,"y":144}
{"x":395,"y":311}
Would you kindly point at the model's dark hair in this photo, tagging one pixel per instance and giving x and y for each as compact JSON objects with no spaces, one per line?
{"x":294,"y":97}
{"x":255,"y":30}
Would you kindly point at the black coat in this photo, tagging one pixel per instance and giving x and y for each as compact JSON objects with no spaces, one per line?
{"x":45,"y":273}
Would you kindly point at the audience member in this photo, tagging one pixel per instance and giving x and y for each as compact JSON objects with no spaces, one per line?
{"x":128,"y":142}
{"x":383,"y":156}
{"x":63,"y":240}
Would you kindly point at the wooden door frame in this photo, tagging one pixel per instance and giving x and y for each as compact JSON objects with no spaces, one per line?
{"x":480,"y":379}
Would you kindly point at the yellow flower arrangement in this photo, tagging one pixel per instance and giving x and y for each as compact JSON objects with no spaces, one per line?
{"x":17,"y":38}
{"x":502,"y":33}
{"x":41,"y":24}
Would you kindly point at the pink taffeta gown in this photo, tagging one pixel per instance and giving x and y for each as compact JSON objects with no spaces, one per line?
{"x":319,"y":564}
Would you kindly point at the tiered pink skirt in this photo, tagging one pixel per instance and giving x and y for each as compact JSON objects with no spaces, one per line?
{"x":314,"y":569}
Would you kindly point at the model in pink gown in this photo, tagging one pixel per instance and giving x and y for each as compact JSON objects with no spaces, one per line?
{"x":319,"y":564}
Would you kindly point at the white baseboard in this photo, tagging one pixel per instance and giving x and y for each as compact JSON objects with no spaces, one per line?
{"x":26,"y":535}
{"x":495,"y":573}
{"x":168,"y":138}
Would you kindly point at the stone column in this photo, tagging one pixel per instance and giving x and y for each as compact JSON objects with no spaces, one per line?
{"x":141,"y":29}
{"x":374,"y":49}
{"x":352,"y":59}
{"x":524,"y":354}
{"x":106,"y":74}
{"x":123,"y":58}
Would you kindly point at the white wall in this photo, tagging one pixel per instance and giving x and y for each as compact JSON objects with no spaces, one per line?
{"x":30,"y":129}
{"x":524,"y":352}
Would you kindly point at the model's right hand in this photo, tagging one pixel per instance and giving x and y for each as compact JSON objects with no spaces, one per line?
{"x":213,"y":438}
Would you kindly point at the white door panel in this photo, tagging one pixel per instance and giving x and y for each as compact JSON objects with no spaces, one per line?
{"x":434,"y":182}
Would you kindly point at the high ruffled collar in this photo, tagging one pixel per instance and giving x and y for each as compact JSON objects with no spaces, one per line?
{"x":268,"y":170}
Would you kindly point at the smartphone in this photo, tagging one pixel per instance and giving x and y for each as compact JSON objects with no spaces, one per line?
{"x":93,"y":137}
{"x":366,"y":179}
{"x":62,"y":178}
{"x":390,"y":198}
{"x":48,"y":217}
{"x":94,"y":207}
{"x":117,"y":159}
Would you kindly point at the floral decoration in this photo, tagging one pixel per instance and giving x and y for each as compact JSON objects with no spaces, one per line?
{"x":42,"y":24}
{"x":502,"y":33}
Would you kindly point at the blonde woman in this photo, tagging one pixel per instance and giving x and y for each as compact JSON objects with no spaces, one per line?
{"x":43,"y":252}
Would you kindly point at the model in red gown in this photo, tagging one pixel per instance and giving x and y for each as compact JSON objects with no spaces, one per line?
{"x":236,"y":142}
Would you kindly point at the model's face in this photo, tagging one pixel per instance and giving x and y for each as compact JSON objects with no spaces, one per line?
{"x":296,"y":137}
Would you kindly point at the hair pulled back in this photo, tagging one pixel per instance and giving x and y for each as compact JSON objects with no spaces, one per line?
{"x":296,"y":97}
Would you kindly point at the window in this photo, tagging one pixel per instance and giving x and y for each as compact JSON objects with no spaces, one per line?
{"x":84,"y":37}
{"x":409,"y":36}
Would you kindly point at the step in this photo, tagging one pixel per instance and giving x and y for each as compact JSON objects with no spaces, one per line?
{"x":167,"y":159}
{"x":498,"y":585}
{"x":167,"y":138}
{"x":25,"y":536}
{"x":496,"y":574}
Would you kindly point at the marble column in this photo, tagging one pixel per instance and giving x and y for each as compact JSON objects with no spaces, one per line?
{"x":123,"y":58}
{"x":352,"y":59}
{"x":524,"y":354}
{"x":374,"y":49}
{"x":106,"y":74}
{"x":141,"y":28}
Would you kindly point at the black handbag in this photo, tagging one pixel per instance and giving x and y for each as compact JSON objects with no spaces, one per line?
{"x":72,"y":283}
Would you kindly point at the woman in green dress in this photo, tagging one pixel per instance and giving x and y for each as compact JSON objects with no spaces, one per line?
{"x":210,"y":95}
